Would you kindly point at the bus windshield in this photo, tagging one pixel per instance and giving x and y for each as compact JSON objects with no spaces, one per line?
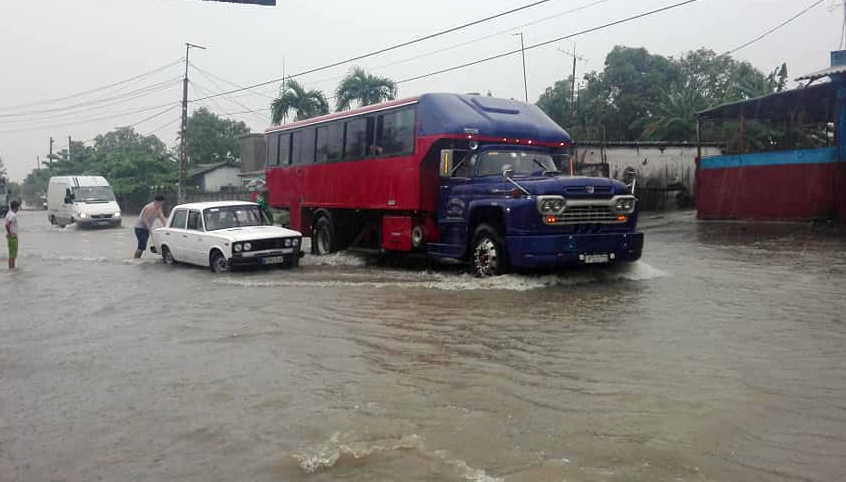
{"x":233,"y":217}
{"x":523,"y":163}
{"x":93,"y":194}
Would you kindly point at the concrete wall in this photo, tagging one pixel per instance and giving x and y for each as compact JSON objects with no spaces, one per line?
{"x":666,"y":173}
{"x":221,"y":177}
{"x":252,"y":152}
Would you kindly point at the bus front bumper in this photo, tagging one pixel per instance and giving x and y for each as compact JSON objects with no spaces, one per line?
{"x":560,"y":250}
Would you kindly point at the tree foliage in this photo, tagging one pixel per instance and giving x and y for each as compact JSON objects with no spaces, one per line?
{"x":211,"y":138}
{"x":362,"y":88}
{"x":294,"y":98}
{"x":640,"y":96}
{"x":135,"y":165}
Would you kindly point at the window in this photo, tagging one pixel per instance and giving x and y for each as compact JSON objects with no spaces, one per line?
{"x":194,"y":221}
{"x":330,"y":142}
{"x":272,"y":150}
{"x":359,"y":133}
{"x":284,"y":149}
{"x":395,"y":133}
{"x":302,"y":147}
{"x":179,"y":219}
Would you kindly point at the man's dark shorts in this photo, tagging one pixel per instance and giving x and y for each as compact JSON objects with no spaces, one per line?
{"x":143,"y":235}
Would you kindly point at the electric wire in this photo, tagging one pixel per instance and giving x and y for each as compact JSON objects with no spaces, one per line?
{"x":772,"y":30}
{"x":87,"y":121}
{"x":98,"y":89}
{"x":381,"y":51}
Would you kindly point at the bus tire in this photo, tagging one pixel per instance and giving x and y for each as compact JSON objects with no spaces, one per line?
{"x":487,"y":253}
{"x":323,"y":239}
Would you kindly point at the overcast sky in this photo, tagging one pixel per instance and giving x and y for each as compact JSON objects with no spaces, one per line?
{"x":55,"y":48}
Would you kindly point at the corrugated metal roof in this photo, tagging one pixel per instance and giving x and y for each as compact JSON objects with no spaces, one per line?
{"x":836,"y":70}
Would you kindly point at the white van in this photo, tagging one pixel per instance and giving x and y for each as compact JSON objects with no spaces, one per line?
{"x":85,"y":200}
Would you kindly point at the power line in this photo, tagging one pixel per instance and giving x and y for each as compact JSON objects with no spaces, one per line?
{"x":548,"y":42}
{"x":163,"y":126}
{"x":211,"y":76}
{"x":381,"y":51}
{"x":83,"y":106}
{"x":98,"y":89}
{"x":777,"y":27}
{"x":87,"y":121}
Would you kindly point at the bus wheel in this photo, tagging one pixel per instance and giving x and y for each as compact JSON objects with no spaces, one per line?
{"x":323,"y":236}
{"x":488,"y":252}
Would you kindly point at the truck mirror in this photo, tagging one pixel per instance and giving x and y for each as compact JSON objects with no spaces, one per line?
{"x":447,"y":156}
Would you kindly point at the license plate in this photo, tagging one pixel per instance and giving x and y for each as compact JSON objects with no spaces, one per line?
{"x":273,"y":260}
{"x":597,"y":259}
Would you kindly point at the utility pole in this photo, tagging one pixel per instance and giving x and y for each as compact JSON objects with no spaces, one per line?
{"x":573,"y":88}
{"x":523,"y":52}
{"x":69,"y":148}
{"x":50,"y":157}
{"x":38,"y":163}
{"x":183,"y":155}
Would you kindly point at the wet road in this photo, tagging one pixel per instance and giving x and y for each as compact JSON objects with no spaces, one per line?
{"x":720,"y":357}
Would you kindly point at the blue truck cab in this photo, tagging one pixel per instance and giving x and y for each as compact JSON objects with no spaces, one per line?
{"x":507,"y":200}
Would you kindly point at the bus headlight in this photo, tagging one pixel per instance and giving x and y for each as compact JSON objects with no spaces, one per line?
{"x":551,"y":204}
{"x":624,"y":204}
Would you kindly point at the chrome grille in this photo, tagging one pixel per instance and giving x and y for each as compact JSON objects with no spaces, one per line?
{"x":586,"y":214}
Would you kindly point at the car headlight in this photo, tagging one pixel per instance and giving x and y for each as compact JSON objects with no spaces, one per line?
{"x":116,"y":215}
{"x":83,"y":215}
{"x":248,"y":246}
{"x":551,"y":204}
{"x":287,"y":243}
{"x":296,"y":242}
{"x":236,"y":247}
{"x":625,"y":204}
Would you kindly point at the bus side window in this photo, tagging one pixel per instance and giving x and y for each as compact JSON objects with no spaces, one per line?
{"x":284,"y":155}
{"x":395,"y":133}
{"x":272,"y":150}
{"x":330,"y":142}
{"x":356,"y":140}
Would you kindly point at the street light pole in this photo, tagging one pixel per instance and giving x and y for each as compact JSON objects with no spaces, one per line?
{"x":523,"y":52}
{"x":183,"y":155}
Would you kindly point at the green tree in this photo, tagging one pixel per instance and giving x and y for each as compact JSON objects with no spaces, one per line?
{"x":210,"y":138}
{"x":35,"y":186}
{"x":364,"y":89}
{"x":2,"y":168}
{"x":293,"y":97}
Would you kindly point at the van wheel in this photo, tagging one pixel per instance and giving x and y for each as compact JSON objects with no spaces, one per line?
{"x":323,"y":236}
{"x":167,"y":256}
{"x":218,"y":263}
{"x":487,"y":255}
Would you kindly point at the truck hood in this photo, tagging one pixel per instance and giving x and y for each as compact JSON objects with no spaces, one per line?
{"x":252,"y":233}
{"x":572,"y":186}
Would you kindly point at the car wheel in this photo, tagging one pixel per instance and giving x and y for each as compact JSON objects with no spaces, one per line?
{"x":218,"y":263}
{"x":488,"y":256}
{"x":323,"y":237}
{"x":52,"y":219}
{"x":167,"y":256}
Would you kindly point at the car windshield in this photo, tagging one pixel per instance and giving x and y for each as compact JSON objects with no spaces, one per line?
{"x":93,"y":194}
{"x":523,"y":163}
{"x":233,"y":217}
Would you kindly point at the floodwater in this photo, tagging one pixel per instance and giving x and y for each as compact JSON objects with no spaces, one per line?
{"x":720,"y":357}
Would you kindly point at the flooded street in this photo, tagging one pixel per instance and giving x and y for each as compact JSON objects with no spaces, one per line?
{"x":720,"y":356}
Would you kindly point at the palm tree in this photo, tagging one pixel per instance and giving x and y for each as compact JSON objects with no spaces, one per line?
{"x":304,"y":104}
{"x":364,"y":88}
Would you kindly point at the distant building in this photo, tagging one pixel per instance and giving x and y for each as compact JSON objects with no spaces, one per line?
{"x":216,"y":177}
{"x":784,"y":153}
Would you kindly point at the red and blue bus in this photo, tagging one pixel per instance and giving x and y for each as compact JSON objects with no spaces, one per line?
{"x":467,"y":177}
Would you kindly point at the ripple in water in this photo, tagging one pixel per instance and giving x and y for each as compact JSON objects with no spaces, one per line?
{"x":343,"y":448}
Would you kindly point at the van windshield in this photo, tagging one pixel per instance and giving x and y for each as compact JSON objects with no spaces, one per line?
{"x":93,"y":194}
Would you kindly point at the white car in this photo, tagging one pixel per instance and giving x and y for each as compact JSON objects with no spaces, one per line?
{"x":223,"y":235}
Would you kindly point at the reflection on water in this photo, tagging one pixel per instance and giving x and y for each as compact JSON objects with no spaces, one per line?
{"x":718,"y":357}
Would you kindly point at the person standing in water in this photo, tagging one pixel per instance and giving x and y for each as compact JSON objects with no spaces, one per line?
{"x":11,"y":222}
{"x":146,"y":219}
